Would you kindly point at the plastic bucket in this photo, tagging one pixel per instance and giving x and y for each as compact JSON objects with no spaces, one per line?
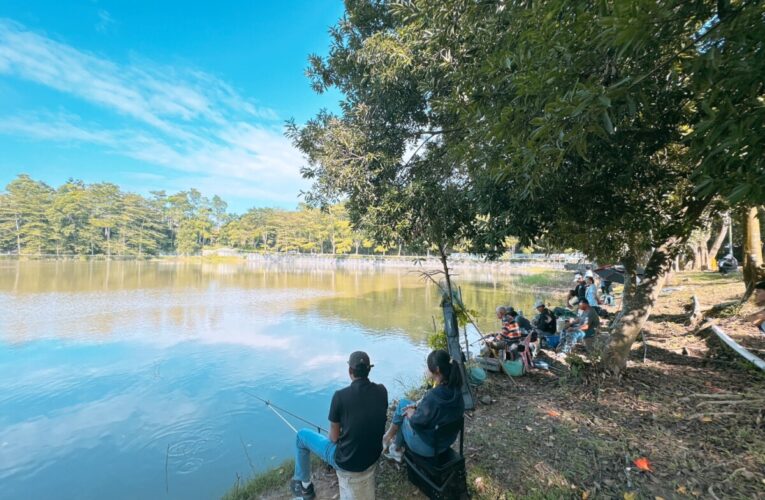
{"x":514,"y":368}
{"x":357,"y":485}
{"x":476,"y":375}
{"x":560,"y":324}
{"x":550,"y":341}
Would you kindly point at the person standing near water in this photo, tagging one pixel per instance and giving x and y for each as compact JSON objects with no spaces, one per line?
{"x":357,"y":417}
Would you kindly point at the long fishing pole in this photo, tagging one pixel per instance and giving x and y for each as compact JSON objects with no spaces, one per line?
{"x":282,"y":417}
{"x":274,"y":407}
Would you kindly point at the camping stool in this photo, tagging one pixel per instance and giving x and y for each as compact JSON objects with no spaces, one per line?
{"x":442,"y":477}
{"x":357,"y":485}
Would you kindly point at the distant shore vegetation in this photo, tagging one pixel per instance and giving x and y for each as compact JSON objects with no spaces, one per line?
{"x":79,"y":219}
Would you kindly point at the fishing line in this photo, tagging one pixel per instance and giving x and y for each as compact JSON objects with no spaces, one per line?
{"x":274,"y":408}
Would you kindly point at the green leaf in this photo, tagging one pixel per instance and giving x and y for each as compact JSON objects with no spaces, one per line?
{"x":739,"y":193}
{"x":607,"y":124}
{"x":604,"y":100}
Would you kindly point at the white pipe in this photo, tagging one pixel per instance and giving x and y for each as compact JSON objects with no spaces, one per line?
{"x":759,"y":363}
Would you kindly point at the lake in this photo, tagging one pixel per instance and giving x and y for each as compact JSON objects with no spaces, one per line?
{"x":127,"y":380}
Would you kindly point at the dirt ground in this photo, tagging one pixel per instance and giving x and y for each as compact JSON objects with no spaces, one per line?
{"x":688,"y":406}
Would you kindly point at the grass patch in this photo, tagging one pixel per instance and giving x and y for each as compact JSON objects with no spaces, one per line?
{"x":546,"y":278}
{"x":700,"y":277}
{"x":265,"y":482}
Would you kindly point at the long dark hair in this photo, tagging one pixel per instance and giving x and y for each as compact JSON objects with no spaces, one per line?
{"x":446,"y":366}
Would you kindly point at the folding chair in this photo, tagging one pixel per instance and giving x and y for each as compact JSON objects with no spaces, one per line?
{"x":442,"y":477}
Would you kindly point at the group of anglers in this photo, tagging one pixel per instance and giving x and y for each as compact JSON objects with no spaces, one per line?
{"x":358,"y":414}
{"x":521,"y":338}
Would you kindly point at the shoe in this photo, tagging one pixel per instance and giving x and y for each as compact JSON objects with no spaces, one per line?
{"x":394,"y":453}
{"x":388,"y":439}
{"x":301,"y":492}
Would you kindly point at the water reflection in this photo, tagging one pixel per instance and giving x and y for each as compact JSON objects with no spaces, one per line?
{"x":111,"y":371}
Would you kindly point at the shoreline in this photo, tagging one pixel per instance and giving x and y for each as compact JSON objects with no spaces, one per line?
{"x":575,"y":435}
{"x":555,"y":261}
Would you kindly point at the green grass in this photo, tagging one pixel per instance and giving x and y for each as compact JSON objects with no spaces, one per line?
{"x":265,"y":482}
{"x":709,"y":276}
{"x":544,"y":279}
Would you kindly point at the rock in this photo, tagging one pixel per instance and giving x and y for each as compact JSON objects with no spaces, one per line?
{"x":486,"y":399}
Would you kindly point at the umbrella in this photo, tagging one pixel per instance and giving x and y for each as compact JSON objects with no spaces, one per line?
{"x":614,"y":274}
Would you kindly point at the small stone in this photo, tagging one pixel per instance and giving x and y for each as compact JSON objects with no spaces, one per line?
{"x":486,"y":399}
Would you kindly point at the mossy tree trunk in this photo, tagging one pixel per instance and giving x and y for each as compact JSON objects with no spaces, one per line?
{"x":638,"y":301}
{"x":752,"y":265}
{"x":717,"y":243}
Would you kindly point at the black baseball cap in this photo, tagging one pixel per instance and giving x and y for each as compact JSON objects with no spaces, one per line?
{"x":359,"y":358}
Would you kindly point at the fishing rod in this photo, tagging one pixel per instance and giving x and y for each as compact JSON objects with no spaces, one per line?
{"x":483,"y":338}
{"x":274,"y":408}
{"x":282,"y":417}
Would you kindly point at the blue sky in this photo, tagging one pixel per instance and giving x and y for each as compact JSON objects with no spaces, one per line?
{"x":161,"y":95}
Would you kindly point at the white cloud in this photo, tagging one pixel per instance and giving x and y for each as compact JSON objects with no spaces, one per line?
{"x":175,"y":118}
{"x":105,"y":21}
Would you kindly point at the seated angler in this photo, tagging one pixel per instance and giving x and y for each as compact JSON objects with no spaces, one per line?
{"x":578,"y":293}
{"x":591,"y":293}
{"x":523,"y":323}
{"x":357,"y":418}
{"x":414,"y":424}
{"x":502,"y":314}
{"x":544,"y":321}
{"x":584,"y":327}
{"x":495,"y":340}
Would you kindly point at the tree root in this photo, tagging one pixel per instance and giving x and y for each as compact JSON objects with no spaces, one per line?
{"x":699,"y":416}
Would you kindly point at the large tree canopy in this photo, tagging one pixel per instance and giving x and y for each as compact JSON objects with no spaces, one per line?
{"x":577,"y":124}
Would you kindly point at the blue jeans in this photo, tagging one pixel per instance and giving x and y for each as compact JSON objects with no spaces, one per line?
{"x":570,"y":338}
{"x":406,"y":433}
{"x":308,"y":441}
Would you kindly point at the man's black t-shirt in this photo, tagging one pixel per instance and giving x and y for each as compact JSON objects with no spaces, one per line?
{"x":360,"y":409}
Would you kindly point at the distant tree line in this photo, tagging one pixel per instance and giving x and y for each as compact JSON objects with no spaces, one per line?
{"x":101,"y":219}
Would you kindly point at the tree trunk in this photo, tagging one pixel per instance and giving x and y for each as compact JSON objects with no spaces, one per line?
{"x":696,"y":259}
{"x":444,"y":258}
{"x":18,"y":236}
{"x":753,"y":270}
{"x":704,"y":254}
{"x":638,"y":301}
{"x":108,"y":242}
{"x":717,"y":243}
{"x":140,"y":243}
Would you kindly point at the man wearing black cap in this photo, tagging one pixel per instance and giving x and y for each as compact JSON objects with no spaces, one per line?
{"x":357,"y":419}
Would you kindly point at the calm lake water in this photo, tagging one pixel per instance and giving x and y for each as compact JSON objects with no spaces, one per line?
{"x":127,"y":380}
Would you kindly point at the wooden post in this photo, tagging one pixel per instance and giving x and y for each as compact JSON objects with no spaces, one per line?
{"x":455,"y":351}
